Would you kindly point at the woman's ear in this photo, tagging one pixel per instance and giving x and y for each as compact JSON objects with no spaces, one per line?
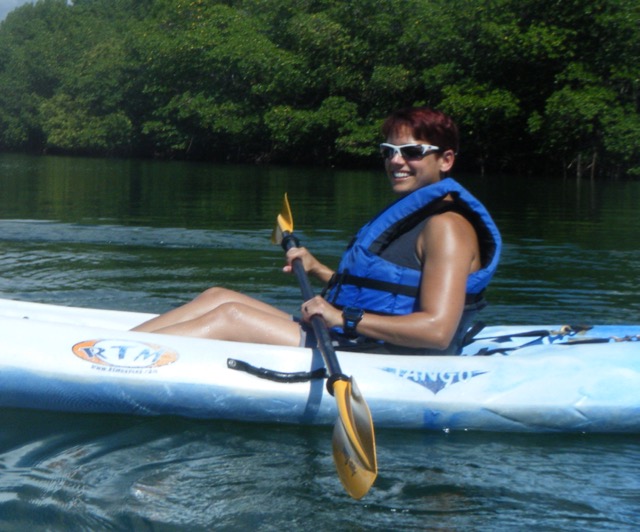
{"x":447,"y":159}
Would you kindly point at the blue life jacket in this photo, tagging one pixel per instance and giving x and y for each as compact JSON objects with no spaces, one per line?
{"x":366,"y":280}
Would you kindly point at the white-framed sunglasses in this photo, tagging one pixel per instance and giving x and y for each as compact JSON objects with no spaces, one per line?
{"x":407,"y":151}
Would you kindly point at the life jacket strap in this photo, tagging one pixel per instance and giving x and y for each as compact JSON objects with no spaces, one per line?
{"x":339,"y":279}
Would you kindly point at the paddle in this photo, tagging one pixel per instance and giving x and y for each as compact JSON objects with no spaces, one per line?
{"x":354,"y":447}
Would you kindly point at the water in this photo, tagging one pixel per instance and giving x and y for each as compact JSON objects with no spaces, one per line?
{"x":146,"y":236}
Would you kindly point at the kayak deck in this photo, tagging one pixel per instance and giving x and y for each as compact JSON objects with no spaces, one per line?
{"x":514,"y":378}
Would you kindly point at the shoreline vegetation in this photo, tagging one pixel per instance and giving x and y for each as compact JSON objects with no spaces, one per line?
{"x":536,"y":86}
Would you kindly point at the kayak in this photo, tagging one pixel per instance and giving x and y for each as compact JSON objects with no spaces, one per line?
{"x":558,"y":378}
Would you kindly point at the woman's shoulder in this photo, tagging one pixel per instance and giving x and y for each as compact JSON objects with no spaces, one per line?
{"x":449,"y":231}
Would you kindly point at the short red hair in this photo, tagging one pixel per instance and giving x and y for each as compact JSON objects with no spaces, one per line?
{"x":425,"y":124}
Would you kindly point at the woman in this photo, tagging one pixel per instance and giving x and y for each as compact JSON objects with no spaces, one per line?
{"x":410,"y":282}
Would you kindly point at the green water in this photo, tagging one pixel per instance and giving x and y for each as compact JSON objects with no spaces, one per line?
{"x":146,"y":236}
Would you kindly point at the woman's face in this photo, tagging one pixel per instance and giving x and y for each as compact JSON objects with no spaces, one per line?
{"x":407,"y":176}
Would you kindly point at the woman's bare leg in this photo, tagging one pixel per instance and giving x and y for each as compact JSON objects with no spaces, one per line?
{"x":227,"y":315}
{"x":206,"y":302}
{"x":240,"y":323}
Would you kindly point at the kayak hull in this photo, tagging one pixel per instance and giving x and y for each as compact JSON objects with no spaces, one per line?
{"x":86,"y":360}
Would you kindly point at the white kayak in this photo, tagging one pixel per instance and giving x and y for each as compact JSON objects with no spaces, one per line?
{"x":512,"y":378}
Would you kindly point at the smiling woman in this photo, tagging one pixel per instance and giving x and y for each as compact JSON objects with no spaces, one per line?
{"x":414,"y":289}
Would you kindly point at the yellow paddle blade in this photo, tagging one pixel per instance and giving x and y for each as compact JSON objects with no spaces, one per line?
{"x":354,"y":446}
{"x":284,"y":222}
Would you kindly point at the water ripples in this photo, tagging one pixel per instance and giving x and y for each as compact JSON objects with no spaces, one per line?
{"x":568,"y":258}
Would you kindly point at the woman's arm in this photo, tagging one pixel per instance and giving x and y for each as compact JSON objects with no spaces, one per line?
{"x":449,"y":250}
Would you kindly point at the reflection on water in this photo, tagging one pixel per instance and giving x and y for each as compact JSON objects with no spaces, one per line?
{"x":113,"y":472}
{"x":145,"y":236}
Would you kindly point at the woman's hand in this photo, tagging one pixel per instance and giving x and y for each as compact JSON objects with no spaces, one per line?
{"x":311,"y":265}
{"x":303,"y":254}
{"x":319,"y":307}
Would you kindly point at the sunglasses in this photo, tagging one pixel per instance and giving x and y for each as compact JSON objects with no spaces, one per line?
{"x":407,"y":151}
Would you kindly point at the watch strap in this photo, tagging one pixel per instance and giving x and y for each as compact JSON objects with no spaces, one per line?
{"x":351,"y":316}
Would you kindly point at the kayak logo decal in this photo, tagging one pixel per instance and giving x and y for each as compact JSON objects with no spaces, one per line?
{"x":124,"y":354}
{"x":435,"y":381}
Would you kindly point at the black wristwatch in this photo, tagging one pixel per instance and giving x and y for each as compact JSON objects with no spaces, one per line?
{"x":351,"y":316}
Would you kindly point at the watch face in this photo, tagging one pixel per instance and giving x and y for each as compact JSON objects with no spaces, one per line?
{"x":352,"y":313}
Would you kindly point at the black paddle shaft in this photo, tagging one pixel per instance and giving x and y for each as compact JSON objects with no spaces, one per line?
{"x":319,"y":326}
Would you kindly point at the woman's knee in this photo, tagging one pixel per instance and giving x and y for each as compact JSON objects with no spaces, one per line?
{"x":229,"y":312}
{"x":224,"y":322}
{"x":237,"y":321}
{"x":216,"y":296}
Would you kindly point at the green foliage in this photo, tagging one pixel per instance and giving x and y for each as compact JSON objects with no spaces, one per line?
{"x":309,"y":135}
{"x":69,"y":128}
{"x":484,"y":115}
{"x":622,"y":140}
{"x":535,"y":85}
